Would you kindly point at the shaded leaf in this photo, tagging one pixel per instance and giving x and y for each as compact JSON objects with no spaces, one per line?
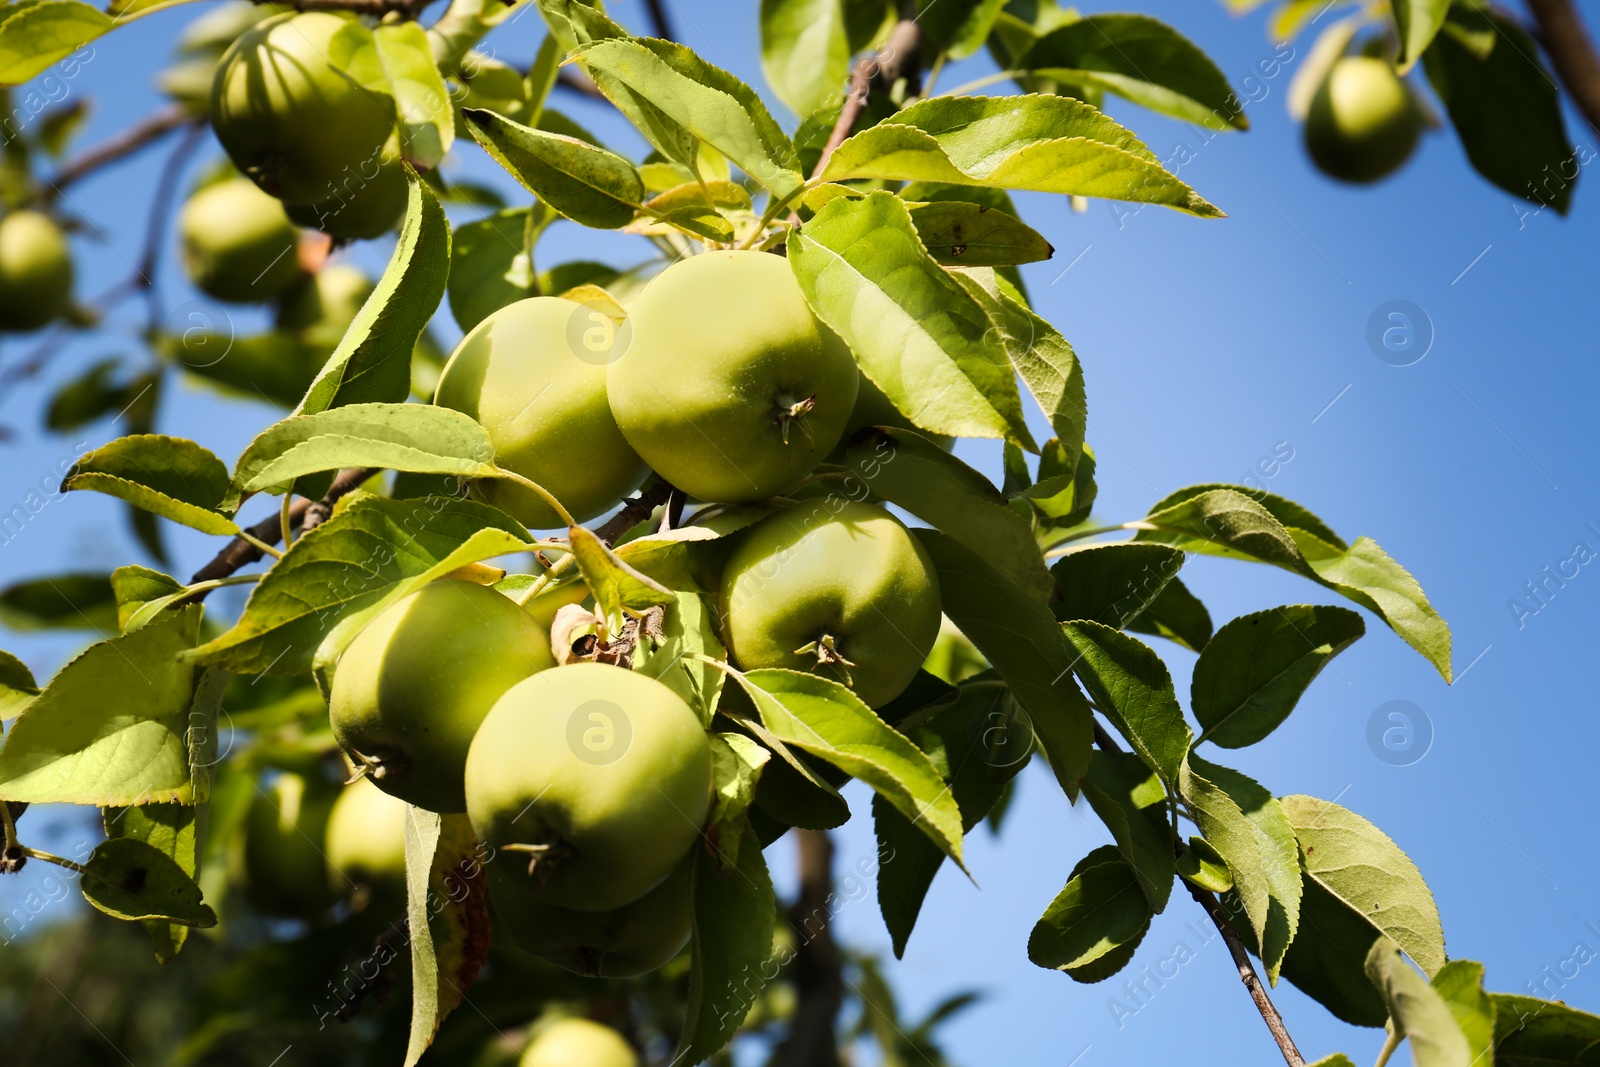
{"x":17,"y":687}
{"x":169,"y":476}
{"x":1416,"y":1010}
{"x":1176,"y":614}
{"x":1113,"y":584}
{"x":491,"y":263}
{"x":1418,"y":21}
{"x":129,"y":879}
{"x":1530,"y":1032}
{"x":60,"y":602}
{"x":588,"y":184}
{"x":960,"y":234}
{"x":1100,"y":910}
{"x":1133,"y":689}
{"x":1129,"y":799}
{"x":613,"y":583}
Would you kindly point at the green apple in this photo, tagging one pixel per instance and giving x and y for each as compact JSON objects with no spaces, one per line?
{"x":842,"y":590}
{"x":238,"y":245}
{"x":600,"y":776}
{"x":526,"y":376}
{"x":625,"y":942}
{"x":367,"y":845}
{"x":320,"y":309}
{"x":35,"y":271}
{"x":1363,"y":122}
{"x":361,"y":207}
{"x":731,"y":389}
{"x":285,"y":835}
{"x":411,"y":689}
{"x":578,"y":1043}
{"x":291,"y":120}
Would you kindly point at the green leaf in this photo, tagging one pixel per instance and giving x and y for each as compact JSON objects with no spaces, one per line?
{"x":1100,"y":910}
{"x":1252,"y":674}
{"x":1276,"y":857}
{"x":1045,"y":144}
{"x":825,"y":718}
{"x":613,"y":583}
{"x":1337,"y":1059}
{"x":422,"y":830}
{"x":1238,"y":842}
{"x":409,"y":437}
{"x":1418,"y":21}
{"x":170,"y":476}
{"x":1130,"y":800}
{"x":91,"y":395}
{"x":805,"y":51}
{"x":1529,"y":1032}
{"x":1204,"y":866}
{"x":1460,"y":983}
{"x":347,"y":564}
{"x":276,"y":366}
{"x":373,"y":362}
{"x":916,"y":332}
{"x":736,"y":766}
{"x":1113,"y":584}
{"x":1504,"y":105}
{"x":17,"y":687}
{"x":679,"y":559}
{"x":1142,"y":59}
{"x":60,"y":602}
{"x":171,"y":829}
{"x":35,"y":34}
{"x":1223,"y":521}
{"x":1133,"y":689}
{"x":961,"y":234}
{"x":689,"y":632}
{"x":1359,"y":887}
{"x":586,"y":183}
{"x":958,"y":27}
{"x":907,"y":469}
{"x":129,"y":879}
{"x":678,"y":101}
{"x":1176,"y":614}
{"x":1022,"y":639}
{"x":491,"y":263}
{"x":447,"y":905}
{"x":426,"y":121}
{"x":734,"y":915}
{"x":1416,"y":1010}
{"x":112,"y":727}
{"x":977,"y":746}
{"x":1040,"y":356}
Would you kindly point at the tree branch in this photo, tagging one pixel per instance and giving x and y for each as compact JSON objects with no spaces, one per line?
{"x":900,"y":57}
{"x":818,"y":977}
{"x":1572,"y":53}
{"x":305,"y":514}
{"x":160,"y":214}
{"x":123,"y":145}
{"x":378,"y":8}
{"x":635,"y":511}
{"x":1241,"y":958}
{"x":658,"y":20}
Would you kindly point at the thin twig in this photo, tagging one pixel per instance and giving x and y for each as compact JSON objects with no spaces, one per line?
{"x":658,"y":20}
{"x":1224,"y":925}
{"x":898,"y":58}
{"x":124,"y":144}
{"x":161,"y":213}
{"x":306,"y":513}
{"x":635,"y":511}
{"x":1572,"y":53}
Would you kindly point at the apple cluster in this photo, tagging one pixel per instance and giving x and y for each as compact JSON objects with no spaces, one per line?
{"x":589,"y":783}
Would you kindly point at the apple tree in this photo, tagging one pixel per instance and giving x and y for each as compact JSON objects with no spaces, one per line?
{"x":549,"y":638}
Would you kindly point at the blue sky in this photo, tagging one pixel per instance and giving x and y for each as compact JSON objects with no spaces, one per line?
{"x":1207,"y":346}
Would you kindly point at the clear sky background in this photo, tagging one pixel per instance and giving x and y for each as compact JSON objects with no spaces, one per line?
{"x":1207,"y":346}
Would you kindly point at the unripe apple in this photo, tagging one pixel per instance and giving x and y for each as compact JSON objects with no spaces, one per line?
{"x":285,"y":835}
{"x":411,"y":689}
{"x":238,"y":245}
{"x":365,"y":205}
{"x":291,"y":122}
{"x":591,"y":782}
{"x":578,"y":1043}
{"x":35,"y":271}
{"x":625,"y":942}
{"x":541,"y":397}
{"x":367,"y":845}
{"x":731,"y":389}
{"x":843,"y":591}
{"x":320,"y":309}
{"x":1363,"y":122}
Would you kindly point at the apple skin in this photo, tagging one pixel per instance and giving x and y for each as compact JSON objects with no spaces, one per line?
{"x":545,"y":411}
{"x":367,"y":846}
{"x":238,"y":245}
{"x":1363,"y":122}
{"x":35,"y":271}
{"x":362,"y":207}
{"x":321,"y":308}
{"x":609,"y":768}
{"x":722,"y":343}
{"x":578,"y":1043}
{"x":849,"y":572}
{"x":285,"y":835}
{"x":411,"y":689}
{"x":626,"y":942}
{"x":290,"y":121}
